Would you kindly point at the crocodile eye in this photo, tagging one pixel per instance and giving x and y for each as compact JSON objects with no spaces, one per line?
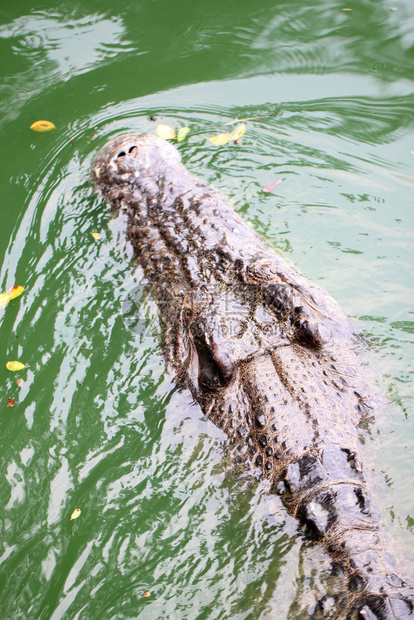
{"x":121,"y":154}
{"x":132,"y":149}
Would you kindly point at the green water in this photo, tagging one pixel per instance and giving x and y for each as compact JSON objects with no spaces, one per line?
{"x":97,"y":424}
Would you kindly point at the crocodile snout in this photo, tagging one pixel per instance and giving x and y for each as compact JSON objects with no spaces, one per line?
{"x":128,"y":150}
{"x":132,"y":153}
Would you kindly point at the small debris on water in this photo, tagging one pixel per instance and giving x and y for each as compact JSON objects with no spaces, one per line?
{"x":13,"y":366}
{"x":42,"y":126}
{"x":220,"y":139}
{"x":182,"y":133}
{"x":11,"y":293}
{"x":238,"y":132}
{"x":271,"y":186}
{"x":165,"y":131}
{"x":224,"y":138}
{"x":249,"y":118}
{"x":75,"y":514}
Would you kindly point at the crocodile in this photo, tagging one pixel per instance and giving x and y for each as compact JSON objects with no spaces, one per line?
{"x":269,"y":356}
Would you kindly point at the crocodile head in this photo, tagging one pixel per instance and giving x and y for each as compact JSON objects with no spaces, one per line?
{"x":135,"y":158}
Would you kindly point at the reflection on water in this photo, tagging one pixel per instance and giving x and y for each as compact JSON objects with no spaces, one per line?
{"x":50,"y":49}
{"x":97,"y":423}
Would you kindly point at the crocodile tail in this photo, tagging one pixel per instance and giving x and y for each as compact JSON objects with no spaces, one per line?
{"x":329,"y":497}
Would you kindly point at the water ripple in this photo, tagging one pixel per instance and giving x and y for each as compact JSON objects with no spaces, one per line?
{"x":97,"y":423}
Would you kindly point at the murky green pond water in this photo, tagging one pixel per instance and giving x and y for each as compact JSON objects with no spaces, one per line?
{"x":96,"y":423}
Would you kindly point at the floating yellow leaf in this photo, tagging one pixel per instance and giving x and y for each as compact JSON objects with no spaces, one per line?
{"x":11,"y":293}
{"x":75,"y":514}
{"x":182,"y":133}
{"x":166,"y":132}
{"x":15,"y":291}
{"x":238,"y":132}
{"x":42,"y":126}
{"x":19,"y":382}
{"x":222,"y":138}
{"x":15,"y":366}
{"x":96,"y":235}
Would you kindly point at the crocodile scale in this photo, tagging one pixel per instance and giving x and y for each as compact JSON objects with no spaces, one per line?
{"x":267,"y":355}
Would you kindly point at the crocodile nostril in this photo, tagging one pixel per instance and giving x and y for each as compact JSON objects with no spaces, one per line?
{"x":132,"y":149}
{"x":121,"y":154}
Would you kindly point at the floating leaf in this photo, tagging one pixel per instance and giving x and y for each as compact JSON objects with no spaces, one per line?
{"x":221,"y":138}
{"x":42,"y":126}
{"x":238,"y":132}
{"x":15,"y":366}
{"x":10,"y":402}
{"x":147,"y":594}
{"x":96,"y":235}
{"x":182,"y":133}
{"x":11,"y":293}
{"x":166,"y":132}
{"x":19,"y":382}
{"x":75,"y":514}
{"x":15,"y":291}
{"x":224,"y":138}
{"x":268,"y":188}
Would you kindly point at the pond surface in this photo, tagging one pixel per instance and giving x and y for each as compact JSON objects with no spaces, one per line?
{"x":97,"y":424}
